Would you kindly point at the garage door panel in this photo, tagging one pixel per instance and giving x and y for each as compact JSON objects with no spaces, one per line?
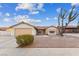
{"x":22,"y":31}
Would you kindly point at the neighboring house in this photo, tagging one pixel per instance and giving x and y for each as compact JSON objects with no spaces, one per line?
{"x":71,"y":29}
{"x":3,"y":28}
{"x":43,"y":30}
{"x":51,"y":30}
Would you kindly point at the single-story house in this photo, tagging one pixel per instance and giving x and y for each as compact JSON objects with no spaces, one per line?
{"x":51,"y":30}
{"x":72,"y":29}
{"x":22,"y":28}
{"x":46,"y":30}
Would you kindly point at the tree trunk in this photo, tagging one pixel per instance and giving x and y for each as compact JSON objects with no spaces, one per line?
{"x":58,"y":26}
{"x":61,"y":33}
{"x":65,"y":27}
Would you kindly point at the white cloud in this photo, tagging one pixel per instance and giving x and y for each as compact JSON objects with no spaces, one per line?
{"x":26,"y":19}
{"x":24,"y":6}
{"x":34,"y":12}
{"x":75,"y":4}
{"x":31,"y":7}
{"x":40,"y":7}
{"x":21,"y":17}
{"x":54,"y":18}
{"x":72,"y":4}
{"x":7,"y":14}
{"x":58,"y":10}
{"x":34,"y":21}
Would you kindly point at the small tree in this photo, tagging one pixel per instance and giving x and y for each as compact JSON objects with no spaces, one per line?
{"x":72,"y":15}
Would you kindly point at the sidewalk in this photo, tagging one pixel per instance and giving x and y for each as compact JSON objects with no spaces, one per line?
{"x":39,"y":52}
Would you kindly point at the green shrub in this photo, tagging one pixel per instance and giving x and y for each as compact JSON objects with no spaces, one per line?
{"x":23,"y":40}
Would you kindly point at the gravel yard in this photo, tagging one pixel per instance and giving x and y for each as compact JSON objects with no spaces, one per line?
{"x":55,"y":41}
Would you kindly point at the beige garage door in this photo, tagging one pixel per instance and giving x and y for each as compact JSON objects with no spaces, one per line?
{"x":22,"y":31}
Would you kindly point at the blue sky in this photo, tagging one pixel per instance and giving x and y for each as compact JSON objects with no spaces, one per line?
{"x":44,"y":14}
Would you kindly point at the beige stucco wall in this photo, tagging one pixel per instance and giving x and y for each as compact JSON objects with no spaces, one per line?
{"x":22,"y":31}
{"x":25,"y":26}
{"x":51,"y":29}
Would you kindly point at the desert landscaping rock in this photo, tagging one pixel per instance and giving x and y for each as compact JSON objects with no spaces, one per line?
{"x":55,"y":41}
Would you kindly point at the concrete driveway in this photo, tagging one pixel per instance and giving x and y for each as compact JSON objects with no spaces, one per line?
{"x":7,"y":42}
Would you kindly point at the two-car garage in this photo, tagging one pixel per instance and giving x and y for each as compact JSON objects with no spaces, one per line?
{"x":23,"y":28}
{"x":22,"y":31}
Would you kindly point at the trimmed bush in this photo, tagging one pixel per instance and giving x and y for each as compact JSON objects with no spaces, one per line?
{"x":23,"y":40}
